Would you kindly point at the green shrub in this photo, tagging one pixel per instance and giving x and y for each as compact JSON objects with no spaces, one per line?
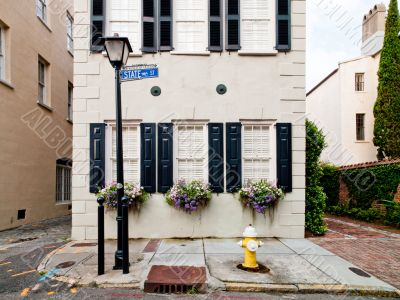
{"x":315,"y":196}
{"x":330,"y":183}
{"x":368,"y":215}
{"x":392,"y":214}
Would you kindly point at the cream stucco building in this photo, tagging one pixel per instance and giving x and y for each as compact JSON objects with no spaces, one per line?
{"x":36,"y":76}
{"x":342,"y":103}
{"x":256,"y":49}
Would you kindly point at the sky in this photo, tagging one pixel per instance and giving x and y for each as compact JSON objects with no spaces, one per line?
{"x":333,"y":34}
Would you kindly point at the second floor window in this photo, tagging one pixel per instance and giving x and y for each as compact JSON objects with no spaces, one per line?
{"x":70,"y":40}
{"x":42,"y":82}
{"x":359,"y":82}
{"x":360,"y":125}
{"x":2,"y":53}
{"x":41,"y":9}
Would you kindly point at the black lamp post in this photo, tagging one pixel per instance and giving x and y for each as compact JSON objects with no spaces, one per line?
{"x":118,"y":49}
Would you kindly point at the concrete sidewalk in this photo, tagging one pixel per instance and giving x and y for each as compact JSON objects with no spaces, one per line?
{"x":297,"y":265}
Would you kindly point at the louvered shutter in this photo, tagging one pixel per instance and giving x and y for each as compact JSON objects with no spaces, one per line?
{"x":165,"y":25}
{"x":97,"y":24}
{"x":165,"y":157}
{"x":97,"y":156}
{"x":148,"y":157}
{"x":216,"y":157}
{"x":124,"y":19}
{"x":284,"y":155}
{"x":233,"y":157}
{"x":233,"y":25}
{"x":191,"y":26}
{"x":256,"y":30}
{"x":256,"y":152}
{"x":283,"y":26}
{"x":215,"y":25}
{"x":149,"y":26}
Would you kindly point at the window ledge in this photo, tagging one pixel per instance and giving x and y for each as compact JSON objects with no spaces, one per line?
{"x":45,"y":106}
{"x":69,"y":120}
{"x":44,"y":23}
{"x":362,"y":142}
{"x":205,"y":53}
{"x":258,"y":53}
{"x":63,"y":202}
{"x":132,"y":54}
{"x":7,"y":84}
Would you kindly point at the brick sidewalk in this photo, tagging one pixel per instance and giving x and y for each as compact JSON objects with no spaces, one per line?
{"x":375,"y":252}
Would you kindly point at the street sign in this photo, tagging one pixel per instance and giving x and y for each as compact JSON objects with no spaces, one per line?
{"x":139,"y":72}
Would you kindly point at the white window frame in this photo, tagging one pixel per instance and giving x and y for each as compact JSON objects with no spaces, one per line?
{"x":189,"y":123}
{"x":63,"y":173}
{"x":70,"y":101}
{"x":41,"y":10}
{"x":2,"y":52}
{"x":70,"y":37}
{"x":272,"y":149}
{"x":43,"y":85}
{"x":111,"y":125}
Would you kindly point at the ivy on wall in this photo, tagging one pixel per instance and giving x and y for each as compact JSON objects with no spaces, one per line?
{"x":330,"y":183}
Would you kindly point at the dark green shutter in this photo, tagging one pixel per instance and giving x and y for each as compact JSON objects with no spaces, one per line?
{"x":232,"y":25}
{"x":149,"y":26}
{"x":215,"y":25}
{"x":148,"y":157}
{"x":165,"y":26}
{"x":97,"y":156}
{"x":283,"y":25}
{"x":284,"y":155}
{"x":216,"y":157}
{"x":165,"y":157}
{"x":97,"y":24}
{"x":233,"y":157}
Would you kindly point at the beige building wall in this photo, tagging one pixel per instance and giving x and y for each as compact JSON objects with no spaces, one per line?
{"x":33,"y":137}
{"x":259,"y":87}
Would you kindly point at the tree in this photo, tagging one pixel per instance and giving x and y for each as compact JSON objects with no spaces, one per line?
{"x":315,"y":196}
{"x":387,"y":105}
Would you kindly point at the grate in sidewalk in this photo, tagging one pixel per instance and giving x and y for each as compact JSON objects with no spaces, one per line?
{"x":175,"y":279}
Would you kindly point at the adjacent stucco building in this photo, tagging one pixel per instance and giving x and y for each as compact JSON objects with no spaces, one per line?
{"x":255,"y":49}
{"x":342,"y":103}
{"x":36,"y":76}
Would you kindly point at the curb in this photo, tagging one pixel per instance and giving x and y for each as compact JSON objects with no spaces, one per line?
{"x":312,"y":289}
{"x":44,"y":261}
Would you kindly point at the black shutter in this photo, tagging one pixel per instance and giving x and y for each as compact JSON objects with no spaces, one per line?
{"x":233,"y":25}
{"x":148,"y":157}
{"x":97,"y":156}
{"x":283,"y":27}
{"x":284,"y":155}
{"x":216,"y":157}
{"x":165,"y":25}
{"x":165,"y":157}
{"x":149,"y":26}
{"x":97,"y":24}
{"x":215,"y":25}
{"x":233,"y":157}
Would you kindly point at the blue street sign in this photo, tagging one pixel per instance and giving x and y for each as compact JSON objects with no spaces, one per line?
{"x":137,"y":74}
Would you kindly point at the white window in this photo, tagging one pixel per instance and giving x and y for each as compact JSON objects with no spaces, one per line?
{"x":41,"y":9}
{"x":42,"y":82}
{"x":191,"y":25}
{"x":191,"y":152}
{"x":70,"y":39}
{"x":125,"y":19}
{"x":63,"y":183}
{"x":257,"y":162}
{"x":257,"y":25}
{"x":70,"y":99}
{"x":2,"y":53}
{"x":131,"y":153}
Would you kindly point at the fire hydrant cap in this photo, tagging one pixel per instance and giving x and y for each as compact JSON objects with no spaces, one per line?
{"x":250,"y":231}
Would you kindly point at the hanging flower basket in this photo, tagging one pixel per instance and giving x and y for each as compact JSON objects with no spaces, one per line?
{"x":136,"y":194}
{"x":189,"y":197}
{"x":260,"y":195}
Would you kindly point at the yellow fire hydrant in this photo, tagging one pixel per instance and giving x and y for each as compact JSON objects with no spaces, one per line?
{"x":250,"y":244}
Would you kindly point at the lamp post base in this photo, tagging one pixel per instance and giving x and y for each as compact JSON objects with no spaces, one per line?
{"x":118,"y":260}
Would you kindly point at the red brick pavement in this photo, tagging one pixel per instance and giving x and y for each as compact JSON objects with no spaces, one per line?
{"x":375,"y":252}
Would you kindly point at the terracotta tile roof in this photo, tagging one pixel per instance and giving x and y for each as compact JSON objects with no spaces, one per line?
{"x":371,"y":164}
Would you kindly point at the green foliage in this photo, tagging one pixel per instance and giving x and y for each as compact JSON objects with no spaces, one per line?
{"x":370,"y":184}
{"x":330,"y":183}
{"x":392,"y":213}
{"x":368,"y":215}
{"x":315,"y":196}
{"x":387,"y":105}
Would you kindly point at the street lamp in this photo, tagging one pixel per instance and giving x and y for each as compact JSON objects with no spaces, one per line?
{"x":118,"y":49}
